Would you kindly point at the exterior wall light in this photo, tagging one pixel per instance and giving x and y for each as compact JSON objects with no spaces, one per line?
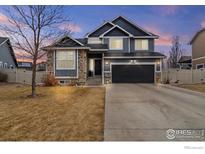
{"x":106,"y":62}
{"x":158,"y":62}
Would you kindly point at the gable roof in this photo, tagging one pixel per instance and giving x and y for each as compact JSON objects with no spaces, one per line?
{"x":195,"y":36}
{"x":134,"y":26}
{"x":100,"y":29}
{"x":127,"y":25}
{"x":70,"y":43}
{"x":66,"y":42}
{"x":116,"y":27}
{"x":4,"y":40}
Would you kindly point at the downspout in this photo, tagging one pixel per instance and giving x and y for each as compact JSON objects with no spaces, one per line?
{"x":103,"y":68}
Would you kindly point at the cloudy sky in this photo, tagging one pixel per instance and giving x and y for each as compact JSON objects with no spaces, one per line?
{"x":165,"y":21}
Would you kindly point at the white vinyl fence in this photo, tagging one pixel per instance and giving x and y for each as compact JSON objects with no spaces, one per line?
{"x":23,"y":76}
{"x":184,"y":76}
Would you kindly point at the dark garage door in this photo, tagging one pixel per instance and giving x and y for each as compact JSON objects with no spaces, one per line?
{"x":132,"y":73}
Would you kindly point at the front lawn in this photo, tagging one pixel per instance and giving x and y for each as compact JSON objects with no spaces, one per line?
{"x":58,"y":114}
{"x":194,"y":87}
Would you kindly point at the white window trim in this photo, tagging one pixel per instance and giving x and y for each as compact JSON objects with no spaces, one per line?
{"x":198,"y":65}
{"x":141,"y":49}
{"x":113,"y":39}
{"x":94,"y":40}
{"x":5,"y":65}
{"x":1,"y":64}
{"x":64,"y":77}
{"x":72,"y":68}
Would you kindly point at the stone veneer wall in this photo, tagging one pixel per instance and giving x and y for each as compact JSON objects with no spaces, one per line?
{"x":50,"y":62}
{"x":82,"y":67}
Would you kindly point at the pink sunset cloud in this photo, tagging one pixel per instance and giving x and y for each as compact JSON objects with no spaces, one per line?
{"x":4,"y":19}
{"x":71,"y":27}
{"x":203,"y":24}
{"x":165,"y":39}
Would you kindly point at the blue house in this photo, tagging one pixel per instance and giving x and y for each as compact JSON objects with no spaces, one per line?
{"x":7,"y":56}
{"x":118,"y":51}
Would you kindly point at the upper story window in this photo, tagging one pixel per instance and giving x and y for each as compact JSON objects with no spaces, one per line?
{"x":116,"y":43}
{"x":94,"y":40}
{"x":65,"y":60}
{"x":141,"y":44}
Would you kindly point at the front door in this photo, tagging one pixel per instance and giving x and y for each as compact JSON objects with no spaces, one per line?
{"x":98,"y":67}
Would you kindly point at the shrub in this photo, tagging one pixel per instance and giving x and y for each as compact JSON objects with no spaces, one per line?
{"x":3,"y":77}
{"x":50,"y":80}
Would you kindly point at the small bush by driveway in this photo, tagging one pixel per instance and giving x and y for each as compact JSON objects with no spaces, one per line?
{"x":58,"y":114}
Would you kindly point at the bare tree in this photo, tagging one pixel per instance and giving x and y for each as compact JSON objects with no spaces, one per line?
{"x":32,"y":27}
{"x":175,"y":52}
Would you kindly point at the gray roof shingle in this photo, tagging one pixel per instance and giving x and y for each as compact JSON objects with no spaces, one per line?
{"x":67,"y":42}
{"x":185,"y":59}
{"x":2,"y":39}
{"x":92,"y":46}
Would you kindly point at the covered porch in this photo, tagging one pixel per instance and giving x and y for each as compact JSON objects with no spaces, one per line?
{"x":94,"y":68}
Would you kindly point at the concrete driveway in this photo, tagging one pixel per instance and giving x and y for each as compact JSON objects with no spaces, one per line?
{"x":144,"y":112}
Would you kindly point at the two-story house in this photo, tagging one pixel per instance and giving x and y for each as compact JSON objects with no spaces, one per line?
{"x":118,"y":51}
{"x":198,"y":49}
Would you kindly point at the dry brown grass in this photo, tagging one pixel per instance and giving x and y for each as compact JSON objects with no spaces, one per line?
{"x":194,"y":87}
{"x":60,"y":114}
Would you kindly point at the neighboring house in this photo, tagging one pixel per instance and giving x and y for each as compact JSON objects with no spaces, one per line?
{"x":25,"y":65}
{"x":7,"y":56}
{"x":185,"y":62}
{"x":198,"y":50}
{"x":118,"y":51}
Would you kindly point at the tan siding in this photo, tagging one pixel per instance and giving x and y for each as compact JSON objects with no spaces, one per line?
{"x":195,"y":62}
{"x":198,"y":46}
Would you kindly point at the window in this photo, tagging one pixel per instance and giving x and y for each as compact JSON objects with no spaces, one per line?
{"x":141,"y":44}
{"x":1,"y":64}
{"x":94,"y":40}
{"x":65,"y":60}
{"x":199,"y":66}
{"x":116,"y":43}
{"x":5,"y":65}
